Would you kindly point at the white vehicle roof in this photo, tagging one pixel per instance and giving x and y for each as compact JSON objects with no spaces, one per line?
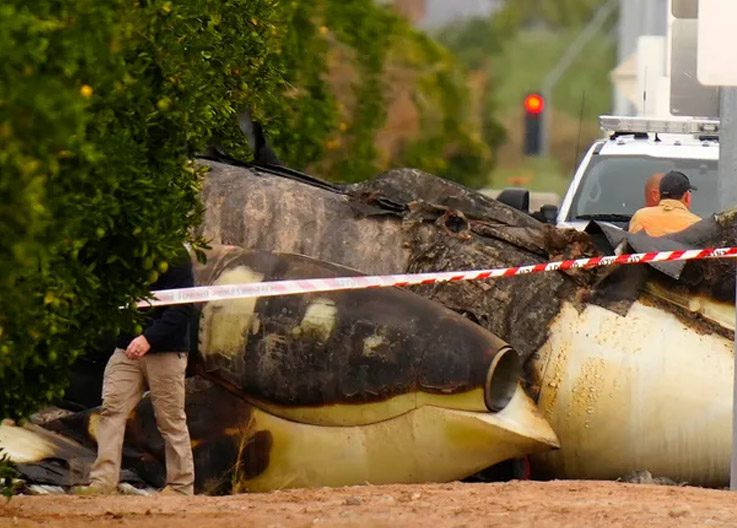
{"x":629,"y":140}
{"x":668,"y":146}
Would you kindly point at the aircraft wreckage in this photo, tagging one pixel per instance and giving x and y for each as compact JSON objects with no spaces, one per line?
{"x":630,"y":365}
{"x":335,"y":388}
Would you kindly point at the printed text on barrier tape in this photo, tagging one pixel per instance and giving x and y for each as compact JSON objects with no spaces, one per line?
{"x":292,"y":287}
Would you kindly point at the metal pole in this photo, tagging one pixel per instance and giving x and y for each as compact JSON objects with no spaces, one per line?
{"x":573,"y":51}
{"x":727,"y":148}
{"x":727,"y":199}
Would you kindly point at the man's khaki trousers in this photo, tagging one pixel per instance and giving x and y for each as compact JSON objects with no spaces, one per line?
{"x":123,"y":386}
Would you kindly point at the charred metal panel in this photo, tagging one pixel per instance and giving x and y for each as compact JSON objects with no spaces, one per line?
{"x":344,"y":347}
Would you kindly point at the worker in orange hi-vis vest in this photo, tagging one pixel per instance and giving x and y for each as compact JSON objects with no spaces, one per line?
{"x":672,"y":212}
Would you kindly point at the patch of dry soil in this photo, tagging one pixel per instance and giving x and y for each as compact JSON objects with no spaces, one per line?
{"x":510,"y":504}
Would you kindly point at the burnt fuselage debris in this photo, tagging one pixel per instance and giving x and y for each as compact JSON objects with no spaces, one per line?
{"x":410,"y":221}
{"x":404,"y":389}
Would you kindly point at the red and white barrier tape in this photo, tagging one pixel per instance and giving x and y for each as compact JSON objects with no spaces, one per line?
{"x":291,"y":287}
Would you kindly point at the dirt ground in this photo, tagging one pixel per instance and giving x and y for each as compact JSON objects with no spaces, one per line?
{"x":510,"y":504}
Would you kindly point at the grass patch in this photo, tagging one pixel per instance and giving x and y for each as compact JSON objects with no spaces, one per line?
{"x":535,"y":174}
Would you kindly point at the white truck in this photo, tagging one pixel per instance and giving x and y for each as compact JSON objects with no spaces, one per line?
{"x":608,"y":184}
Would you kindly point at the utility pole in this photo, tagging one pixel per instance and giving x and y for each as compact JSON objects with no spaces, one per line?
{"x":727,"y":148}
{"x":728,"y":199}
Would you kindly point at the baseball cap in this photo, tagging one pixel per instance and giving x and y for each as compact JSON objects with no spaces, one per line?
{"x":675,"y":184}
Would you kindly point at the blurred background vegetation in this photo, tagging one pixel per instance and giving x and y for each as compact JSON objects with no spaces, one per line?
{"x":449,"y":101}
{"x":508,"y":55}
{"x":367,"y":92}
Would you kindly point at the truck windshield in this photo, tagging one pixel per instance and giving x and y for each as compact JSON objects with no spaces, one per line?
{"x":614,"y":185}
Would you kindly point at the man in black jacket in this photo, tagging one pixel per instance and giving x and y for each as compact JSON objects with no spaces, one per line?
{"x":157,"y":358}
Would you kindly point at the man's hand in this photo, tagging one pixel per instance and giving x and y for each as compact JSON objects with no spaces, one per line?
{"x":138,"y":347}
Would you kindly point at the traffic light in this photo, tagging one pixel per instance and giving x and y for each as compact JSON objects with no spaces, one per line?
{"x":533,"y":106}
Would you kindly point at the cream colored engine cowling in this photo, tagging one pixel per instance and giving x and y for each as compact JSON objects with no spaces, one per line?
{"x":428,"y":444}
{"x":644,"y":391}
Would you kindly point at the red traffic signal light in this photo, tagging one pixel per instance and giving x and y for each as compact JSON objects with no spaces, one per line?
{"x":534,"y":103}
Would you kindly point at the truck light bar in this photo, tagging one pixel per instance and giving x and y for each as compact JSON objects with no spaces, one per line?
{"x":672,"y":125}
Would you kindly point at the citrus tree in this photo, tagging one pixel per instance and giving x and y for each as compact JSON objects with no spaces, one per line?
{"x":102,"y":108}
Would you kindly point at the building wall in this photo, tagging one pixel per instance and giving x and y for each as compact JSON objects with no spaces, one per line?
{"x":637,"y":18}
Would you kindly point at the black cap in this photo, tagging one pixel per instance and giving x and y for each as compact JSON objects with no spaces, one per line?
{"x":675,"y":184}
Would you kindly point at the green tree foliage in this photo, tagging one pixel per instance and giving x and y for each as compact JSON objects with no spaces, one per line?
{"x":451,"y":141}
{"x":475,"y":43}
{"x":7,"y":474}
{"x":102,"y":106}
{"x":345,"y":62}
